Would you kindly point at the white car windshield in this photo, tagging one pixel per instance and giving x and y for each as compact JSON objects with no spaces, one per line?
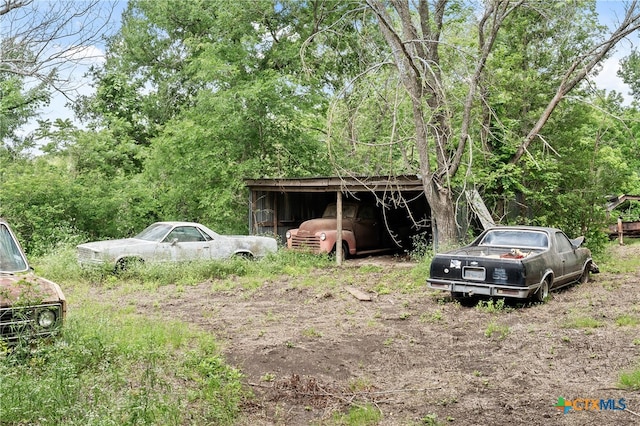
{"x":11,"y":257}
{"x":155,"y":232}
{"x":515,"y":238}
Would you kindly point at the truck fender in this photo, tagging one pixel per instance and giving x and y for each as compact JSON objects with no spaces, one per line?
{"x":347,"y":237}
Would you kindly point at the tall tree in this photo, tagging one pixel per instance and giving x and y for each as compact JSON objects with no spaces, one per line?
{"x":424,"y":43}
{"x":630,"y":72}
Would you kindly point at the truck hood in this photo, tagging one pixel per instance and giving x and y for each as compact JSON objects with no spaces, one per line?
{"x":324,"y":224}
{"x":29,"y":289}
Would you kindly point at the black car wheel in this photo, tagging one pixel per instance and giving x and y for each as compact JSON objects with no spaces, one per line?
{"x":584,"y":278}
{"x":543,"y":292}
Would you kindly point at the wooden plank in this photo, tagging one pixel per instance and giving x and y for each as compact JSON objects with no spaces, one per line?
{"x":358,"y":294}
{"x":479,"y":208}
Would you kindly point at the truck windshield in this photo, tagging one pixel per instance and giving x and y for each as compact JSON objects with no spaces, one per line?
{"x":348,"y":211}
{"x":11,"y":257}
{"x":515,"y":238}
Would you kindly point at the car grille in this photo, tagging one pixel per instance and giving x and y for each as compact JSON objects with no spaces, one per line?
{"x":305,"y":243}
{"x":86,"y":257}
{"x":20,"y":322}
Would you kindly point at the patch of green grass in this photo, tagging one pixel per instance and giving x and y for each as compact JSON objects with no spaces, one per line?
{"x":110,"y":367}
{"x":360,"y":415}
{"x":430,"y":420}
{"x":627,"y":320}
{"x":492,"y":306}
{"x":619,"y":264}
{"x":432,"y":317}
{"x":630,"y":380}
{"x":61,"y":266}
{"x":582,"y":322}
{"x":311,"y":333}
{"x":497,"y":330}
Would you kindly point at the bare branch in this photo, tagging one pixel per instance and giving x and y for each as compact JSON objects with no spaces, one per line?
{"x":46,"y":40}
{"x":579,"y":70}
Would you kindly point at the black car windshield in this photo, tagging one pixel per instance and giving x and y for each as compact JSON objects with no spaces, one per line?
{"x":515,"y":238}
{"x":11,"y":257}
{"x":155,"y":232}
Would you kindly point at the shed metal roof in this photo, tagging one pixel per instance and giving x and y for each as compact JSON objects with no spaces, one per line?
{"x":337,"y":183}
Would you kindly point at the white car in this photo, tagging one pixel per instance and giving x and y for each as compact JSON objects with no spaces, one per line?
{"x":173,"y":242}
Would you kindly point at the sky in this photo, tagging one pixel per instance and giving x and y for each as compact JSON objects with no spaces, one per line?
{"x":609,"y":10}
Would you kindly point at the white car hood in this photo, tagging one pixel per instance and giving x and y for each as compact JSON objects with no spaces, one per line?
{"x":110,"y":244}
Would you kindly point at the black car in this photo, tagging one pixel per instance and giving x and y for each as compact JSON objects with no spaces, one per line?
{"x":513,"y":261}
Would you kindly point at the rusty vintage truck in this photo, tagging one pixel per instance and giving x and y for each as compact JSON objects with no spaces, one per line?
{"x":30,"y":306}
{"x":363,"y":231}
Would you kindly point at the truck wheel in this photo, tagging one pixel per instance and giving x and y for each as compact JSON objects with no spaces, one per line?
{"x":345,"y":251}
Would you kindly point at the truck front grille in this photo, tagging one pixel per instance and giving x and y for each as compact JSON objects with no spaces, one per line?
{"x":20,"y":322}
{"x":305,"y":243}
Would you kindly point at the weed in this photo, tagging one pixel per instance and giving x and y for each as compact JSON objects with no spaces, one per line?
{"x":381,"y":289}
{"x":434,"y":316}
{"x":118,"y":367}
{"x":359,"y":384}
{"x":582,"y":322}
{"x":311,"y":333}
{"x":494,"y":328}
{"x":492,"y":306}
{"x":630,"y":380}
{"x":430,"y":420}
{"x":359,"y":415}
{"x":268,"y":377}
{"x":627,"y":320}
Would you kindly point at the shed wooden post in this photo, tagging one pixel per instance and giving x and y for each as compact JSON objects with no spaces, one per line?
{"x":339,"y":228}
{"x":620,"y":237}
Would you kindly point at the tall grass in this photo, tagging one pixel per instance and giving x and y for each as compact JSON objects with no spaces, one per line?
{"x":110,"y":367}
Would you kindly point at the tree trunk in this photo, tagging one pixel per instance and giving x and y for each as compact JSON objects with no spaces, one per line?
{"x":443,"y":212}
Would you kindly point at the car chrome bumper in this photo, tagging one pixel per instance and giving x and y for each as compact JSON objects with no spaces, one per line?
{"x":483,"y":289}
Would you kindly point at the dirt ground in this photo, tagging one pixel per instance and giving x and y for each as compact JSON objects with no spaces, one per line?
{"x":309,"y":353}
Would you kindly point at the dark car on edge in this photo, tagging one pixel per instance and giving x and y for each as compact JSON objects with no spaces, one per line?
{"x":30,"y":306}
{"x":522,"y":262}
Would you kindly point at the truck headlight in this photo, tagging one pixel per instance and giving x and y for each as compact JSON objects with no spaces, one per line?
{"x":46,"y":318}
{"x":323,"y":236}
{"x":288,"y":235}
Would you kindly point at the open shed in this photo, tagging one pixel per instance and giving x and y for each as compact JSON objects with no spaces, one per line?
{"x":277,"y":205}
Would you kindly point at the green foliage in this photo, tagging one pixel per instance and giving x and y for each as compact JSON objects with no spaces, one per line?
{"x":110,"y":367}
{"x":360,"y":415}
{"x":630,"y":380}
{"x":196,"y":96}
{"x":630,"y":72}
{"x":492,"y":306}
{"x":498,"y":331}
{"x":60,"y":265}
{"x":580,"y":321}
{"x":627,"y":320}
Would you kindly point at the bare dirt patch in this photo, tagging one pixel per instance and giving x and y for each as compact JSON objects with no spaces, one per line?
{"x":309,"y":352}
